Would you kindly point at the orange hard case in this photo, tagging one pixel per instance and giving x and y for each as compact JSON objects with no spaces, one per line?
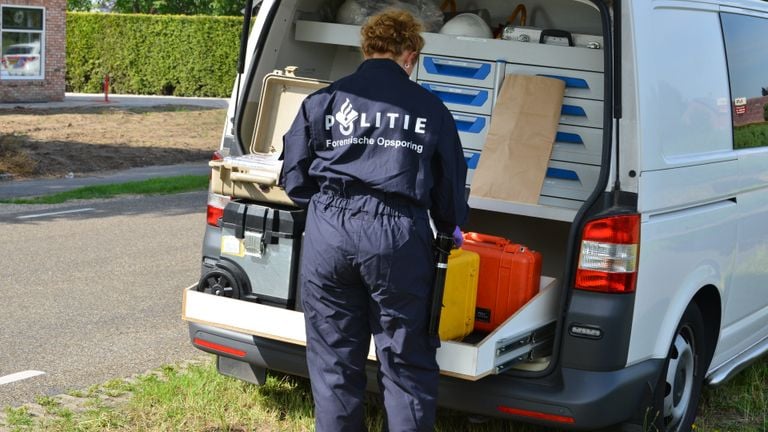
{"x":509,"y":277}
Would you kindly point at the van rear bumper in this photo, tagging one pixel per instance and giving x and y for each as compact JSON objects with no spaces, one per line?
{"x":576,"y":399}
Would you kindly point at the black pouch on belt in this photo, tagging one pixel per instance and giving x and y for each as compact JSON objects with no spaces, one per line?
{"x":443,"y":245}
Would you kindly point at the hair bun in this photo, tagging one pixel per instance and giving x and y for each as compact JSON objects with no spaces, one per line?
{"x":392,"y":31}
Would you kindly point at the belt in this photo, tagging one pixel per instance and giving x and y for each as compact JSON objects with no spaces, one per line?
{"x":369,"y":201}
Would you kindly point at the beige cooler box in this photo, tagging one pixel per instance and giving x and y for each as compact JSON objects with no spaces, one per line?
{"x":256,"y":176}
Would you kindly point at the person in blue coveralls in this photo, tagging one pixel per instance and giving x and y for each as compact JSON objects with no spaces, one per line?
{"x":372,"y":156}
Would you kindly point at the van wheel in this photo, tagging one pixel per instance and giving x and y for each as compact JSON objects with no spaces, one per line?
{"x":676,"y":398}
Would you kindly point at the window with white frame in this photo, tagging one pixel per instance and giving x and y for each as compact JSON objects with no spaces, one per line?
{"x":22,"y":33}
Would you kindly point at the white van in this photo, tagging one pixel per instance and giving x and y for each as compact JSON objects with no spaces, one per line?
{"x":651,"y":220}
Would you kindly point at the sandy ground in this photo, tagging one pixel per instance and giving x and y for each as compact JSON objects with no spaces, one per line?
{"x":54,"y":143}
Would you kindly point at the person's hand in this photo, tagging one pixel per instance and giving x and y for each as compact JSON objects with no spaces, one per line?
{"x":458,"y":237}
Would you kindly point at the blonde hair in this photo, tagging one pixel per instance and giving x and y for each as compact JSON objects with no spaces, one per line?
{"x":391,"y":32}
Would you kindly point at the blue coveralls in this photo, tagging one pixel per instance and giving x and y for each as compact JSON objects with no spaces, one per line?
{"x":368,"y":156}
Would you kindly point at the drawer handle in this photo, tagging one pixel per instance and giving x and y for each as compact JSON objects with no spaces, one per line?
{"x":479,"y":71}
{"x":458,"y":96}
{"x":562,"y":174}
{"x":577,"y":83}
{"x":562,"y":34}
{"x":472,"y":160}
{"x":570,"y":138}
{"x":469,"y":124}
{"x":572,"y":110}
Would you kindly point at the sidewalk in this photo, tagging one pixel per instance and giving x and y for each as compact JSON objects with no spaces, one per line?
{"x":78,"y":100}
{"x":36,"y":187}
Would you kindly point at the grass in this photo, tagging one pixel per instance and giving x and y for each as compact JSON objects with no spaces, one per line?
{"x":201,"y":399}
{"x":197,"y":398}
{"x":19,"y":417}
{"x":739,"y":405}
{"x":751,"y":135}
{"x":160,"y":186}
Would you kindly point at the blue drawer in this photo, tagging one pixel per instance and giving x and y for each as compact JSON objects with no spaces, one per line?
{"x":472,"y":158}
{"x":465,"y":99}
{"x":582,"y":112}
{"x":570,"y":180}
{"x":472,"y":129}
{"x":565,"y":185}
{"x":578,"y":144}
{"x":560,"y":202}
{"x":456,"y":71}
{"x":580,"y":84}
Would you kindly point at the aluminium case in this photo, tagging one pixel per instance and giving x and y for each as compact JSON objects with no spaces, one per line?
{"x":551,"y":37}
{"x":256,"y":176}
{"x":264,"y":243}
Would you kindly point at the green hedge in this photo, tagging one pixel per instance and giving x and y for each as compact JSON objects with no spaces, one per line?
{"x":152,"y":54}
{"x":751,"y":135}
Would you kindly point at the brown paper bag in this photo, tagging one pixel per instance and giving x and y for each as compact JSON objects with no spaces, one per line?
{"x":513,"y":162}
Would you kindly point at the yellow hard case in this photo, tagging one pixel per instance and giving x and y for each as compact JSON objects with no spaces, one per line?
{"x":457,"y":318}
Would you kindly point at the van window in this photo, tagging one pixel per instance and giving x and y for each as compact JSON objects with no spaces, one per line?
{"x":747,"y":54}
{"x":685,"y":87}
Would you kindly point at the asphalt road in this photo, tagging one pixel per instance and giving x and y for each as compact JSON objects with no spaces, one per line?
{"x":94,"y":292}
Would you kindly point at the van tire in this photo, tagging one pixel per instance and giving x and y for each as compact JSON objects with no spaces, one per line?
{"x":676,"y":397}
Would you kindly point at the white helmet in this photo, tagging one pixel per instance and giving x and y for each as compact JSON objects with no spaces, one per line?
{"x":467,"y":24}
{"x":351,"y":12}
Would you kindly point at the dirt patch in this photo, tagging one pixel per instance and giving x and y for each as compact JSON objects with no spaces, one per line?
{"x":54,"y":143}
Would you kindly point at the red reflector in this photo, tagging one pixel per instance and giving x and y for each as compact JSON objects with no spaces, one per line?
{"x":219,"y":348}
{"x":214,"y":214}
{"x":536,"y":415}
{"x":618,"y":283}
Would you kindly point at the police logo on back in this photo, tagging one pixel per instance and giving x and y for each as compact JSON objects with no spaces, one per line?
{"x":347,"y":117}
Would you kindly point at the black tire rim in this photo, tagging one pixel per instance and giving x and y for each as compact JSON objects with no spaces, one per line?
{"x":219,"y":283}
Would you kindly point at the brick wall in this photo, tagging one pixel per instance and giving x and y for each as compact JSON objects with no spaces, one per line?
{"x":51,"y":88}
{"x":754,"y":112}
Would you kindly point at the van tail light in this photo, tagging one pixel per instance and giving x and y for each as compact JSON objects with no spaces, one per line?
{"x":609,"y":255}
{"x":215,"y":211}
{"x":216,"y":202}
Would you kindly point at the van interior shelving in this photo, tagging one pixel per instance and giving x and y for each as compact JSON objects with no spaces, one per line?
{"x":329,"y":50}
